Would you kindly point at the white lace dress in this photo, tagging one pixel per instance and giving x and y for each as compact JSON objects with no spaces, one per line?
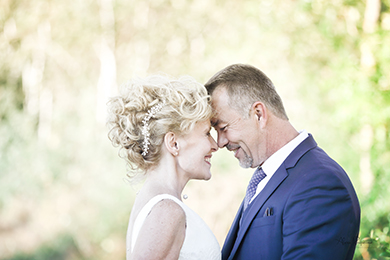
{"x":199,"y":241}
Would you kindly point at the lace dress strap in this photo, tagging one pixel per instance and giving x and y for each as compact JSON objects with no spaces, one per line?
{"x":140,"y":219}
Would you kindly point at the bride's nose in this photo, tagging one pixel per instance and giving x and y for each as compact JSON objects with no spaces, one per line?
{"x":214,"y":145}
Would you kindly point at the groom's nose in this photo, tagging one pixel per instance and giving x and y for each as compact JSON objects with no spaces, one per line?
{"x":222,"y":140}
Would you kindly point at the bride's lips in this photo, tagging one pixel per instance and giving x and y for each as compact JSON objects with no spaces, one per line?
{"x":207,"y":159}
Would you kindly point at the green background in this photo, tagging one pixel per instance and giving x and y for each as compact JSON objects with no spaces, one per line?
{"x":62,"y":188}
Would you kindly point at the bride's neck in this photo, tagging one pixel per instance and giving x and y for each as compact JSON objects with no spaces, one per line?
{"x":164,"y":179}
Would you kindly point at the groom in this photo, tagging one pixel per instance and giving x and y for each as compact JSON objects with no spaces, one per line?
{"x":300,"y":204}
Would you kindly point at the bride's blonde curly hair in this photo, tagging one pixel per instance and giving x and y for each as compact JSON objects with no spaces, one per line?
{"x":185,"y":102}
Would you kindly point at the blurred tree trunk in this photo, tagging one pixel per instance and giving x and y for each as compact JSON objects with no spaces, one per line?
{"x":105,"y":51}
{"x":45,"y":94}
{"x":367,"y":61}
{"x":371,"y":15}
{"x":38,"y":98}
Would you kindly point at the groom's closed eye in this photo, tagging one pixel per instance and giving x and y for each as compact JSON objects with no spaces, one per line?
{"x":223,"y":128}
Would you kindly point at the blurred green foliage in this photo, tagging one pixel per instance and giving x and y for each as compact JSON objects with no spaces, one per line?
{"x":62,"y":248}
{"x":60,"y":60}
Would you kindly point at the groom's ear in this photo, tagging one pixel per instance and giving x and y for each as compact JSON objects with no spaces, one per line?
{"x":259,"y":112}
{"x":170,"y":142}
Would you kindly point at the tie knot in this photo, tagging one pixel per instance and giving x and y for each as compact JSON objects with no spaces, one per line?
{"x":257,"y":177}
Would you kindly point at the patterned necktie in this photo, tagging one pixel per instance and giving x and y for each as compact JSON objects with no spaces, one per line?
{"x":252,"y":187}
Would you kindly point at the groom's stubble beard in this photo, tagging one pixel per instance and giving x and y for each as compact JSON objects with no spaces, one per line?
{"x":245,"y":162}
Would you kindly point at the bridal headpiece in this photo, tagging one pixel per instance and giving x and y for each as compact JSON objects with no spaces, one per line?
{"x":146,"y":130}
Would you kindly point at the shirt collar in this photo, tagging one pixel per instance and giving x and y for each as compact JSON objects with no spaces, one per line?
{"x":274,"y":161}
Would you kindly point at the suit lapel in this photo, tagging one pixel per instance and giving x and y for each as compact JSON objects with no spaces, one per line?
{"x":232,"y":235}
{"x":257,"y":204}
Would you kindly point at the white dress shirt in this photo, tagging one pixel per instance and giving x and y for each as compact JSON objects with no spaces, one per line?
{"x":274,"y":161}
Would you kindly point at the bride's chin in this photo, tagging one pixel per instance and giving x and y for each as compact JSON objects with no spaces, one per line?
{"x":205,"y":177}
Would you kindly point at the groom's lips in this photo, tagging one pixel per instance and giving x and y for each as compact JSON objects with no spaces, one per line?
{"x":236,"y":152}
{"x":234,"y":149}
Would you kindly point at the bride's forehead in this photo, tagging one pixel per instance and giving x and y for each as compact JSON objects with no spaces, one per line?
{"x":203,"y":125}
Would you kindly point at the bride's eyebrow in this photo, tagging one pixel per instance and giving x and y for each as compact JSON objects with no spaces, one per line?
{"x":207,"y":129}
{"x":214,"y":123}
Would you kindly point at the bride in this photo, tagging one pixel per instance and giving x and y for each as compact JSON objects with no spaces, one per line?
{"x":162,"y":129}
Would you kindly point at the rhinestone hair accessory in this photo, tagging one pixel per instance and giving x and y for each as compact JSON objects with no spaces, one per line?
{"x":145,"y":130}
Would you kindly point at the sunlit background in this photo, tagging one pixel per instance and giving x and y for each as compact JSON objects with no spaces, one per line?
{"x":62,"y":188}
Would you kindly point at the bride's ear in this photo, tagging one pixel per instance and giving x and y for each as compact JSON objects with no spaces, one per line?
{"x":170,"y":142}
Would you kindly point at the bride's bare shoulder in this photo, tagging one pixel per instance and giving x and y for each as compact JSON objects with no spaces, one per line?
{"x":163,"y":232}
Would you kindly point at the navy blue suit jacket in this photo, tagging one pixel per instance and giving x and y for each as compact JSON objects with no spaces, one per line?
{"x":315,"y":212}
